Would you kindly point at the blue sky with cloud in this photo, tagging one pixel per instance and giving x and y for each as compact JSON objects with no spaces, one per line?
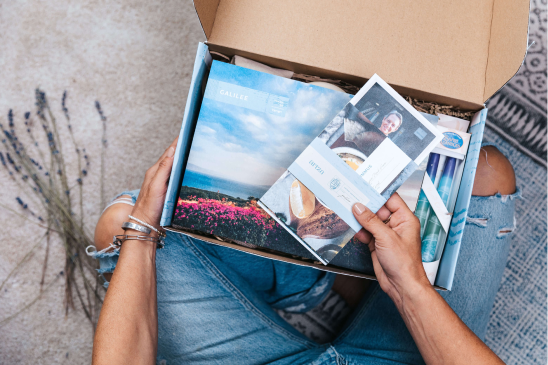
{"x":252,"y":147}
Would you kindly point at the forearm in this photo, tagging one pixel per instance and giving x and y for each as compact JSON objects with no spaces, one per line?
{"x":440,"y":335}
{"x":127,"y":331}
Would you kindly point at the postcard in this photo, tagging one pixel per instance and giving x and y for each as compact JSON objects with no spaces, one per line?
{"x":364,"y":154}
{"x":250,"y":128}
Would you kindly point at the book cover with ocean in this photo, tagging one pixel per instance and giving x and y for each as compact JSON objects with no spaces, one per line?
{"x":250,"y":128}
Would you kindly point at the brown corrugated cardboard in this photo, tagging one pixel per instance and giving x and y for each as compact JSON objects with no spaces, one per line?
{"x":506,"y":53}
{"x":206,"y":11}
{"x":453,"y":51}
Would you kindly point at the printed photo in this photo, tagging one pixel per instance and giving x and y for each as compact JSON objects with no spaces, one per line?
{"x":306,"y":217}
{"x":394,"y":119}
{"x":250,"y":128}
{"x":359,"y":134}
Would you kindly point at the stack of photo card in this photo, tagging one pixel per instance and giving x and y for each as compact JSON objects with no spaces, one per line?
{"x":364,"y":154}
{"x":251,"y":127}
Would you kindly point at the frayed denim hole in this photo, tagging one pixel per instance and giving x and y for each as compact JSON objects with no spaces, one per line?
{"x":106,"y":283}
{"x":505,"y":198}
{"x":339,"y":358}
{"x":102,"y":255}
{"x":301,"y":308}
{"x":108,"y":270}
{"x":130,"y":193}
{"x":506,"y":231}
{"x":477,"y":221}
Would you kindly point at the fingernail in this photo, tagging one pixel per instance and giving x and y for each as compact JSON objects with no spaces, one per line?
{"x":359,"y":208}
{"x":170,"y":152}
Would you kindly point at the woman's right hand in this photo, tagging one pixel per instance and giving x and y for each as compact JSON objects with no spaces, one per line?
{"x":395,"y":246}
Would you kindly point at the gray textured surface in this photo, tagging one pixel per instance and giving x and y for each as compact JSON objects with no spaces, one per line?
{"x":136,"y":58}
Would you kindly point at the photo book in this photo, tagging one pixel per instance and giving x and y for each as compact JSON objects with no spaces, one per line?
{"x":250,"y":128}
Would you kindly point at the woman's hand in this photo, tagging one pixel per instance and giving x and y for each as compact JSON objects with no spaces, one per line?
{"x":395,"y":246}
{"x":151,"y":198}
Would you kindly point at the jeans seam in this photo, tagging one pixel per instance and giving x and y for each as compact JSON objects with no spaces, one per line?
{"x":358,"y":317}
{"x":239,"y":295}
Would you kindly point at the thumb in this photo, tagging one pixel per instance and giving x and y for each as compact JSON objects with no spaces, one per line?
{"x":164,"y":168}
{"x":370,"y":221}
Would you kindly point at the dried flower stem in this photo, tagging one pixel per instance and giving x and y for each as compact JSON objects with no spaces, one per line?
{"x":47,"y":181}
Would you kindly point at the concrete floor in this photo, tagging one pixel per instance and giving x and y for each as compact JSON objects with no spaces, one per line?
{"x":136,"y":58}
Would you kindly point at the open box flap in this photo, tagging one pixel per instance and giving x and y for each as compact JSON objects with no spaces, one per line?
{"x":506,"y":48}
{"x":206,"y":10}
{"x":464,"y":50}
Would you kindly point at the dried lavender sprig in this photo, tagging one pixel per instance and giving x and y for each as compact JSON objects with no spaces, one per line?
{"x":54,"y":138}
{"x":103,"y":148}
{"x":21,"y":157}
{"x":29,"y":124}
{"x":68,"y":265}
{"x":39,"y":224}
{"x":79,"y":180}
{"x":49,"y":226}
{"x":18,"y":166}
{"x":57,"y":201}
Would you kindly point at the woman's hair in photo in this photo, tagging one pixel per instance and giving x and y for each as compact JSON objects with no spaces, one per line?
{"x":397,"y":114}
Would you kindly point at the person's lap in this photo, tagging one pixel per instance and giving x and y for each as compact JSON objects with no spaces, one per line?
{"x":209,"y":313}
{"x":216,"y":304}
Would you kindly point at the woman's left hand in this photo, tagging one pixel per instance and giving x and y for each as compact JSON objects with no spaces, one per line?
{"x":151,"y":198}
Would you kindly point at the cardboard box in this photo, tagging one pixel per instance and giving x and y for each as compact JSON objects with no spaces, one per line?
{"x":454,"y":53}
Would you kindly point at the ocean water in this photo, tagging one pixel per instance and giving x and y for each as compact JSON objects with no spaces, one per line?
{"x":216,"y":184}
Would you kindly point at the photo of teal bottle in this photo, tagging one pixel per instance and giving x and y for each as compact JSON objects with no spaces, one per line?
{"x":423,"y":205}
{"x":433,"y":226}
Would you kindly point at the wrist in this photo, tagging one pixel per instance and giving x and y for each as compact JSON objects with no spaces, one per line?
{"x":139,"y":217}
{"x":140,"y":231}
{"x":410,"y":290}
{"x":138,"y":244}
{"x":142,"y":216}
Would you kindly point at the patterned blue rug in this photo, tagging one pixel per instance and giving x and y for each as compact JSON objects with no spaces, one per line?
{"x":517,"y":124}
{"x":517,"y":329}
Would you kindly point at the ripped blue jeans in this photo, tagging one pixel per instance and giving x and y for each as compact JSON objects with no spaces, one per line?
{"x":216,"y":305}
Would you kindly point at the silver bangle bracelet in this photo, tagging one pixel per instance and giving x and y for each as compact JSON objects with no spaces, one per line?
{"x":162,"y":234}
{"x":136,"y":227}
{"x":119,"y":239}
